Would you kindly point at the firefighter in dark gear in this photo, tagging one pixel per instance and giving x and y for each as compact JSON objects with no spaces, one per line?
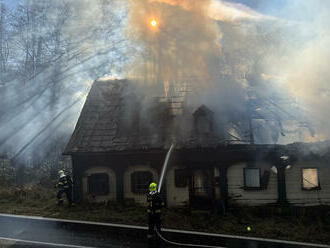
{"x":64,"y":185}
{"x":155,"y":205}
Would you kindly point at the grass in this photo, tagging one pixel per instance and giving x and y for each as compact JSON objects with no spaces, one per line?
{"x":287,"y":223}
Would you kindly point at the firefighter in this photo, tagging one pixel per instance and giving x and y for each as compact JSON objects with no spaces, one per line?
{"x":155,"y":205}
{"x":64,"y":186}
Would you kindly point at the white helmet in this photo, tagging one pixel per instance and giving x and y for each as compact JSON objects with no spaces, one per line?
{"x":61,"y":173}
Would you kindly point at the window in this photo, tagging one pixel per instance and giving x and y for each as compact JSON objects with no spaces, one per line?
{"x":310,"y":179}
{"x":140,"y":181}
{"x":180,"y":178}
{"x":98,"y":184}
{"x":252,"y":178}
{"x":201,"y":183}
{"x":203,"y":118}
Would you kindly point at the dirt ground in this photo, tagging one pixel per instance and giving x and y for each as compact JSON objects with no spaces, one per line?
{"x":288,"y":223}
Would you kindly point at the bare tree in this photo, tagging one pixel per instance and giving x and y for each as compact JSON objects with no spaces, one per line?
{"x":4,"y":48}
{"x":54,"y":51}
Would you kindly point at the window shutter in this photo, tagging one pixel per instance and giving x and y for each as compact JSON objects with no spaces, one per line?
{"x":140,"y":181}
{"x":98,"y":184}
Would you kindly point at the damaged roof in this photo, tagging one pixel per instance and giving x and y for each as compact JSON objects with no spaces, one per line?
{"x":97,"y":129}
{"x":118,"y":117}
{"x":114,"y":118}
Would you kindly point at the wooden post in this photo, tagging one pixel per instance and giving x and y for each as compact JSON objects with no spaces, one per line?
{"x":223,"y":186}
{"x":77,"y":181}
{"x":120,"y":184}
{"x":281,"y":185}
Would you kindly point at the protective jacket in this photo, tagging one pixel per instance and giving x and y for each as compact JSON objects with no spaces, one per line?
{"x":155,"y":203}
{"x":64,"y":185}
{"x":64,"y":182}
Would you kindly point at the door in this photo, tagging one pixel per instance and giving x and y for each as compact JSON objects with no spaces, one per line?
{"x":201,"y":189}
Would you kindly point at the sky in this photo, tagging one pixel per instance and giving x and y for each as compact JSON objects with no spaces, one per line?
{"x":11,"y":3}
{"x":264,"y":6}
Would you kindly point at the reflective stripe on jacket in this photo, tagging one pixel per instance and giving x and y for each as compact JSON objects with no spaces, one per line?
{"x":64,"y":182}
{"x":155,"y":202}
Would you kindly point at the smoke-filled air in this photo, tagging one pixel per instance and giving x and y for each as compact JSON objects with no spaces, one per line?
{"x":262,"y":70}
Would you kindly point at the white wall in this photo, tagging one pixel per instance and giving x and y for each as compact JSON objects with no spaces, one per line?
{"x":128,"y":194}
{"x":297,"y":196}
{"x":175,"y":196}
{"x":237,"y":193}
{"x":112,"y":184}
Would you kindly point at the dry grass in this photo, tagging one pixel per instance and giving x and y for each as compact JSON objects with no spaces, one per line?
{"x":298,"y":224}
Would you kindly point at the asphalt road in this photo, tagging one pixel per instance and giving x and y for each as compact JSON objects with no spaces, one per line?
{"x":17,"y":232}
{"x":20,"y":231}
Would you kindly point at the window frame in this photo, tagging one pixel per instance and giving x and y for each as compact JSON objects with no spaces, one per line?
{"x":177,"y":173}
{"x":103,"y":193}
{"x":318,"y":179}
{"x":134,"y":190}
{"x":244,"y":177}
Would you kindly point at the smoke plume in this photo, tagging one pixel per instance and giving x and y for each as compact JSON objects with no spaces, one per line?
{"x":181,"y":45}
{"x":243,"y":64}
{"x":302,"y":69}
{"x":259,"y":71}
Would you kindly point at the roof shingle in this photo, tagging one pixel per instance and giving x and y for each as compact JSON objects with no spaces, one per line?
{"x":112,"y":120}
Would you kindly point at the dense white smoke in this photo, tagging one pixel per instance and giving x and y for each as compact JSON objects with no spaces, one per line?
{"x":66,"y":45}
{"x":241,"y":63}
{"x":304,"y":69}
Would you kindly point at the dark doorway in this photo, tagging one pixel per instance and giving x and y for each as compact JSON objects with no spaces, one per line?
{"x":201,"y":190}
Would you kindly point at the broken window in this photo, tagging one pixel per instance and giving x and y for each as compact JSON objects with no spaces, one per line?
{"x":180,"y":178}
{"x":310,"y":178}
{"x":140,"y":181}
{"x":98,"y":184}
{"x":252,"y":178}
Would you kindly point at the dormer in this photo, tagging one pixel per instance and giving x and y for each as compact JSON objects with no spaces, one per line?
{"x":203,"y":120}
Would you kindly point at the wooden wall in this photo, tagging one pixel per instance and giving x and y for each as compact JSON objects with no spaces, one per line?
{"x":128,"y":194}
{"x":176,"y":196}
{"x":236,"y":192}
{"x":112,"y":184}
{"x":297,"y":196}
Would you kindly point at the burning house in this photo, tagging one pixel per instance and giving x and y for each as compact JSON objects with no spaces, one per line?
{"x":197,"y":80}
{"x":121,"y":138}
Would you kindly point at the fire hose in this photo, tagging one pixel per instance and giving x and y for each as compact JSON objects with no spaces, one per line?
{"x":168,"y":155}
{"x":183,"y":244}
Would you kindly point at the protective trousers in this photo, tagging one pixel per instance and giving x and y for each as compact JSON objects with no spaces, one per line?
{"x":67,"y":192}
{"x":154,"y":223}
